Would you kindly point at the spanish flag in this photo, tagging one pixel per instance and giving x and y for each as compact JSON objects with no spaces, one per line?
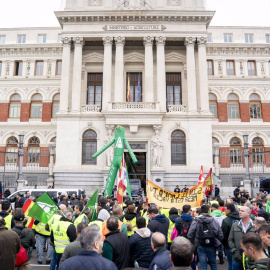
{"x":128,"y":89}
{"x":209,"y":183}
{"x":26,"y":207}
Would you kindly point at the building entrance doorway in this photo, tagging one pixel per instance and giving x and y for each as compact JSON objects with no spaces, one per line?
{"x":138,"y":170}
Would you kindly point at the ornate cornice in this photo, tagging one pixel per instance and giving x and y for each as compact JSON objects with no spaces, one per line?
{"x":190,"y":41}
{"x":66,"y":41}
{"x":160,"y":40}
{"x":119,"y":40}
{"x":107,"y":40}
{"x":148,"y":41}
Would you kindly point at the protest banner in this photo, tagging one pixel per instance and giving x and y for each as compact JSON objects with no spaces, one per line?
{"x":168,"y":199}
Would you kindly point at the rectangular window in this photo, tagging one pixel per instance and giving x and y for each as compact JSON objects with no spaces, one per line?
{"x":36,"y":110}
{"x":2,"y":39}
{"x":55,"y":109}
{"x":14,"y":110}
{"x":235,"y":156}
{"x":255,"y":110}
{"x":94,"y":88}
{"x":42,"y":38}
{"x":33,"y":155}
{"x":228,"y":37}
{"x":257,"y":154}
{"x":213,"y":109}
{"x":251,"y":68}
{"x":209,"y":37}
{"x":0,"y":68}
{"x":230,"y":67}
{"x":249,"y":38}
{"x":134,"y":87}
{"x":59,"y":38}
{"x":12,"y":155}
{"x":233,"y":111}
{"x":58,"y":67}
{"x":18,"y":68}
{"x":174,"y":89}
{"x":268,"y":38}
{"x":39,"y":68}
{"x":210,"y":67}
{"x":89,"y":148}
{"x":21,"y":39}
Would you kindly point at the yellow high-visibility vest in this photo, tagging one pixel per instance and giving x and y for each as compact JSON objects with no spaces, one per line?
{"x":165,"y":212}
{"x":55,"y":218}
{"x":8,"y":220}
{"x":80,"y":219}
{"x":40,"y":228}
{"x":143,"y":214}
{"x":170,"y":230}
{"x":61,"y":239}
{"x":133,"y":224}
{"x":98,"y":223}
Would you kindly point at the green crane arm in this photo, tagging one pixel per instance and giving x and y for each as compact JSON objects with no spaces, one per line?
{"x":133,"y":157}
{"x":103,"y":149}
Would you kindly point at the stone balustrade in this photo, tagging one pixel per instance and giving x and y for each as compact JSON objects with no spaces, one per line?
{"x":177,"y":109}
{"x":149,"y":106}
{"x":91,"y":108}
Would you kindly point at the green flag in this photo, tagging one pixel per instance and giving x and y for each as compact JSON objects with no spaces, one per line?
{"x":43,"y":209}
{"x":92,"y":204}
{"x":268,"y":207}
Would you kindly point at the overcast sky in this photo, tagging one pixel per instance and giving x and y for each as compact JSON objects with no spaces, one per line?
{"x":38,"y":13}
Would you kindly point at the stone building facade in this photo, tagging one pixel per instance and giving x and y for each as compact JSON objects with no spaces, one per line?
{"x":154,"y":67}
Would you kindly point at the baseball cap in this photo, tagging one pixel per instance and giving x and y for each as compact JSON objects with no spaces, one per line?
{"x":19,"y":218}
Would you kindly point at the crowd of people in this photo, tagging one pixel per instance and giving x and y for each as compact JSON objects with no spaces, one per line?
{"x":140,"y":235}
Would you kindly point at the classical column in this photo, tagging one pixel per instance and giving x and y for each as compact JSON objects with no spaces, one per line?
{"x":161,"y":73}
{"x":149,"y":70}
{"x":191,"y":75}
{"x":203,"y":77}
{"x":107,"y":72}
{"x":119,"y":69}
{"x":65,"y":75}
{"x":77,"y":75}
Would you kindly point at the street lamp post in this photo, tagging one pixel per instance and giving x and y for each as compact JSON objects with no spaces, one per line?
{"x":246,"y":154}
{"x":20,"y":180}
{"x":52,"y":152}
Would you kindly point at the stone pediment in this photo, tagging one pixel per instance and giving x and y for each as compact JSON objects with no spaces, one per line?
{"x":175,"y":57}
{"x":134,"y":57}
{"x":93,"y":58}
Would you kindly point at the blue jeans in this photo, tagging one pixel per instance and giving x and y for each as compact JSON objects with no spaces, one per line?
{"x":55,"y":260}
{"x":229,"y":257}
{"x":237,"y":266}
{"x":205,"y":253}
{"x":40,"y":243}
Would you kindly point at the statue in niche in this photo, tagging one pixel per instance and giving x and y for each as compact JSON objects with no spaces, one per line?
{"x":157,"y":148}
{"x":110,"y":151}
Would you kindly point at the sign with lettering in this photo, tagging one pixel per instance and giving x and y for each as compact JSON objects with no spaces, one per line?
{"x":167,"y":199}
{"x":134,"y":28}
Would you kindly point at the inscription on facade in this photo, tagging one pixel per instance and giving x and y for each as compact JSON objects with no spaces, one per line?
{"x":134,"y":27}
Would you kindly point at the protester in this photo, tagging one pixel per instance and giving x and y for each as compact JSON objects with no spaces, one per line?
{"x":117,"y":213}
{"x":7,"y":192}
{"x":18,"y":201}
{"x":27,"y":239}
{"x":116,"y":245}
{"x":158,"y":223}
{"x":144,"y":211}
{"x":177,"y":189}
{"x":173,"y":215}
{"x":264,"y":233}
{"x":185,"y":189}
{"x":81,"y":217}
{"x":161,"y":259}
{"x":73,"y":200}
{"x":63,"y":233}
{"x":238,"y":230}
{"x":183,"y":223}
{"x":182,"y":253}
{"x":130,"y":219}
{"x":26,"y":197}
{"x":258,"y":222}
{"x":5,"y":214}
{"x":237,"y":190}
{"x":207,"y":236}
{"x":89,"y":258}
{"x":232,"y":217}
{"x":9,"y":246}
{"x":73,"y":248}
{"x":140,"y":245}
{"x":251,"y":244}
{"x":217,"y":191}
{"x":217,"y":214}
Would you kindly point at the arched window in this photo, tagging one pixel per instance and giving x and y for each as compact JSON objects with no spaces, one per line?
{"x":15,"y":106}
{"x":12,"y":150}
{"x":55,"y":105}
{"x":36,"y":106}
{"x":233,"y":106}
{"x":235,"y":151}
{"x":178,"y":148}
{"x":257,"y":150}
{"x":89,"y":147}
{"x":33,"y":150}
{"x":213,"y":104}
{"x":53,"y":139}
{"x":255,"y":106}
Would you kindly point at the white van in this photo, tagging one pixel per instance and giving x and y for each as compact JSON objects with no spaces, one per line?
{"x":51,"y":192}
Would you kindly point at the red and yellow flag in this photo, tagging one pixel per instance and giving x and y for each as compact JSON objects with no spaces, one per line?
{"x":209,"y":183}
{"x":26,"y":207}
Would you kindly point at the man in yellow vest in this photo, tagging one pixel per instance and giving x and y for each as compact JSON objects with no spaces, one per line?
{"x":5,"y":214}
{"x":79,"y":216}
{"x":63,"y":233}
{"x":144,"y":211}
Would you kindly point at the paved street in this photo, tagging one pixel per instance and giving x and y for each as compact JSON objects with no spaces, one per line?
{"x":35,"y":266}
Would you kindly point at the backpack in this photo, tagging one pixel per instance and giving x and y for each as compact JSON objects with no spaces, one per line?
{"x":206,"y":234}
{"x":185,"y":228}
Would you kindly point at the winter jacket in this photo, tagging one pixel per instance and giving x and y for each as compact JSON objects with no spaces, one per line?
{"x":234,"y":239}
{"x":261,"y":264}
{"x":9,"y":247}
{"x":159,"y":224}
{"x":193,"y":233}
{"x":184,"y":219}
{"x":218,"y":216}
{"x":71,"y":250}
{"x":73,"y":201}
{"x":140,"y":248}
{"x":27,"y":238}
{"x":161,"y":260}
{"x":87,"y":260}
{"x":116,"y":248}
{"x":227,"y":225}
{"x":4,"y":214}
